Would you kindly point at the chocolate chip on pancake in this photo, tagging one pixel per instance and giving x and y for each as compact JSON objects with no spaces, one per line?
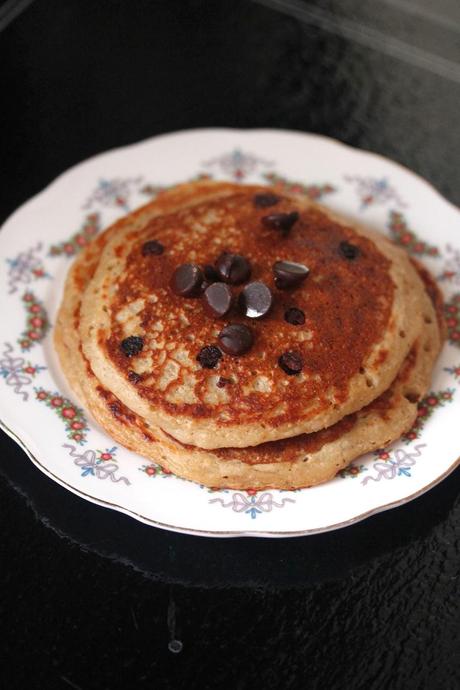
{"x":236,"y":339}
{"x":349,"y":251}
{"x":209,"y":356}
{"x":132,"y":345}
{"x":289,"y":274}
{"x":291,"y":363}
{"x":217,"y":299}
{"x":233,"y":268}
{"x":152,"y":247}
{"x":255,"y":300}
{"x":186,"y":280}
{"x":211,"y":274}
{"x":280,"y":221}
{"x":133,"y":376}
{"x":265,"y":200}
{"x":222,"y":382}
{"x":294,"y":316}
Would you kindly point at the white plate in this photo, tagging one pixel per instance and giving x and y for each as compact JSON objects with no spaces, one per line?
{"x":38,"y":410}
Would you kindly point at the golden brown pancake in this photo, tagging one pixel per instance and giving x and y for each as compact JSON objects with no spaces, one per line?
{"x":303,"y":460}
{"x":362,"y":318}
{"x":297,"y":462}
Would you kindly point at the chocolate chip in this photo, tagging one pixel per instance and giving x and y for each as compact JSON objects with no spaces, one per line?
{"x":115,"y":408}
{"x":222,"y":382}
{"x":209,"y":356}
{"x":133,"y":376}
{"x":349,"y":251}
{"x":265,"y":200}
{"x":294,"y":316}
{"x":289,"y":274}
{"x":152,"y":247}
{"x":211,"y":274}
{"x":217,"y":299}
{"x":280,"y":221}
{"x":186,"y":280}
{"x":255,"y":300}
{"x":236,"y":339}
{"x":291,"y":363}
{"x":233,"y":268}
{"x":132,"y":345}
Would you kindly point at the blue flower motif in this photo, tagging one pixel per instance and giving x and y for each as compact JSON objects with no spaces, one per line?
{"x":405,"y":471}
{"x":86,"y":471}
{"x":253,"y":511}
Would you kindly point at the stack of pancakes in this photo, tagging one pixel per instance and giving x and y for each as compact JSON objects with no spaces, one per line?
{"x":248,"y":339}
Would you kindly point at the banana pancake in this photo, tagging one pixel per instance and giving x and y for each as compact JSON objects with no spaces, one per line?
{"x":340,"y":308}
{"x":296,"y":462}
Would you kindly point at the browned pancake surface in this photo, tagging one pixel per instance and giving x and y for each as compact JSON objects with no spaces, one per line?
{"x":346,"y":305}
{"x":362,"y":315}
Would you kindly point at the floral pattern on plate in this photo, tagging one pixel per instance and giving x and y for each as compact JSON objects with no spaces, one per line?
{"x":403,"y":235}
{"x":75,"y":243}
{"x":37,"y":322}
{"x":374,"y":190}
{"x":26,"y":267}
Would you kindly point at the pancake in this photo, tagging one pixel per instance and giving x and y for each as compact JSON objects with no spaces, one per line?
{"x":301,"y":461}
{"x":362,"y":316}
{"x":297,"y":462}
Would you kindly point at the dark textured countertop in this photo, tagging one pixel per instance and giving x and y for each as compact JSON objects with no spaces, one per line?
{"x":88,"y":597}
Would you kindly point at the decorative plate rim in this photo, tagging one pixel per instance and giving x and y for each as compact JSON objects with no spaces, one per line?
{"x":224,"y":130}
{"x":223,"y":534}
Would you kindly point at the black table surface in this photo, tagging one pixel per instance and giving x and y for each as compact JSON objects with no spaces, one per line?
{"x":89,"y":598}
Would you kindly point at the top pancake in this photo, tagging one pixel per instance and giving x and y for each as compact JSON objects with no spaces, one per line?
{"x":362,"y":317}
